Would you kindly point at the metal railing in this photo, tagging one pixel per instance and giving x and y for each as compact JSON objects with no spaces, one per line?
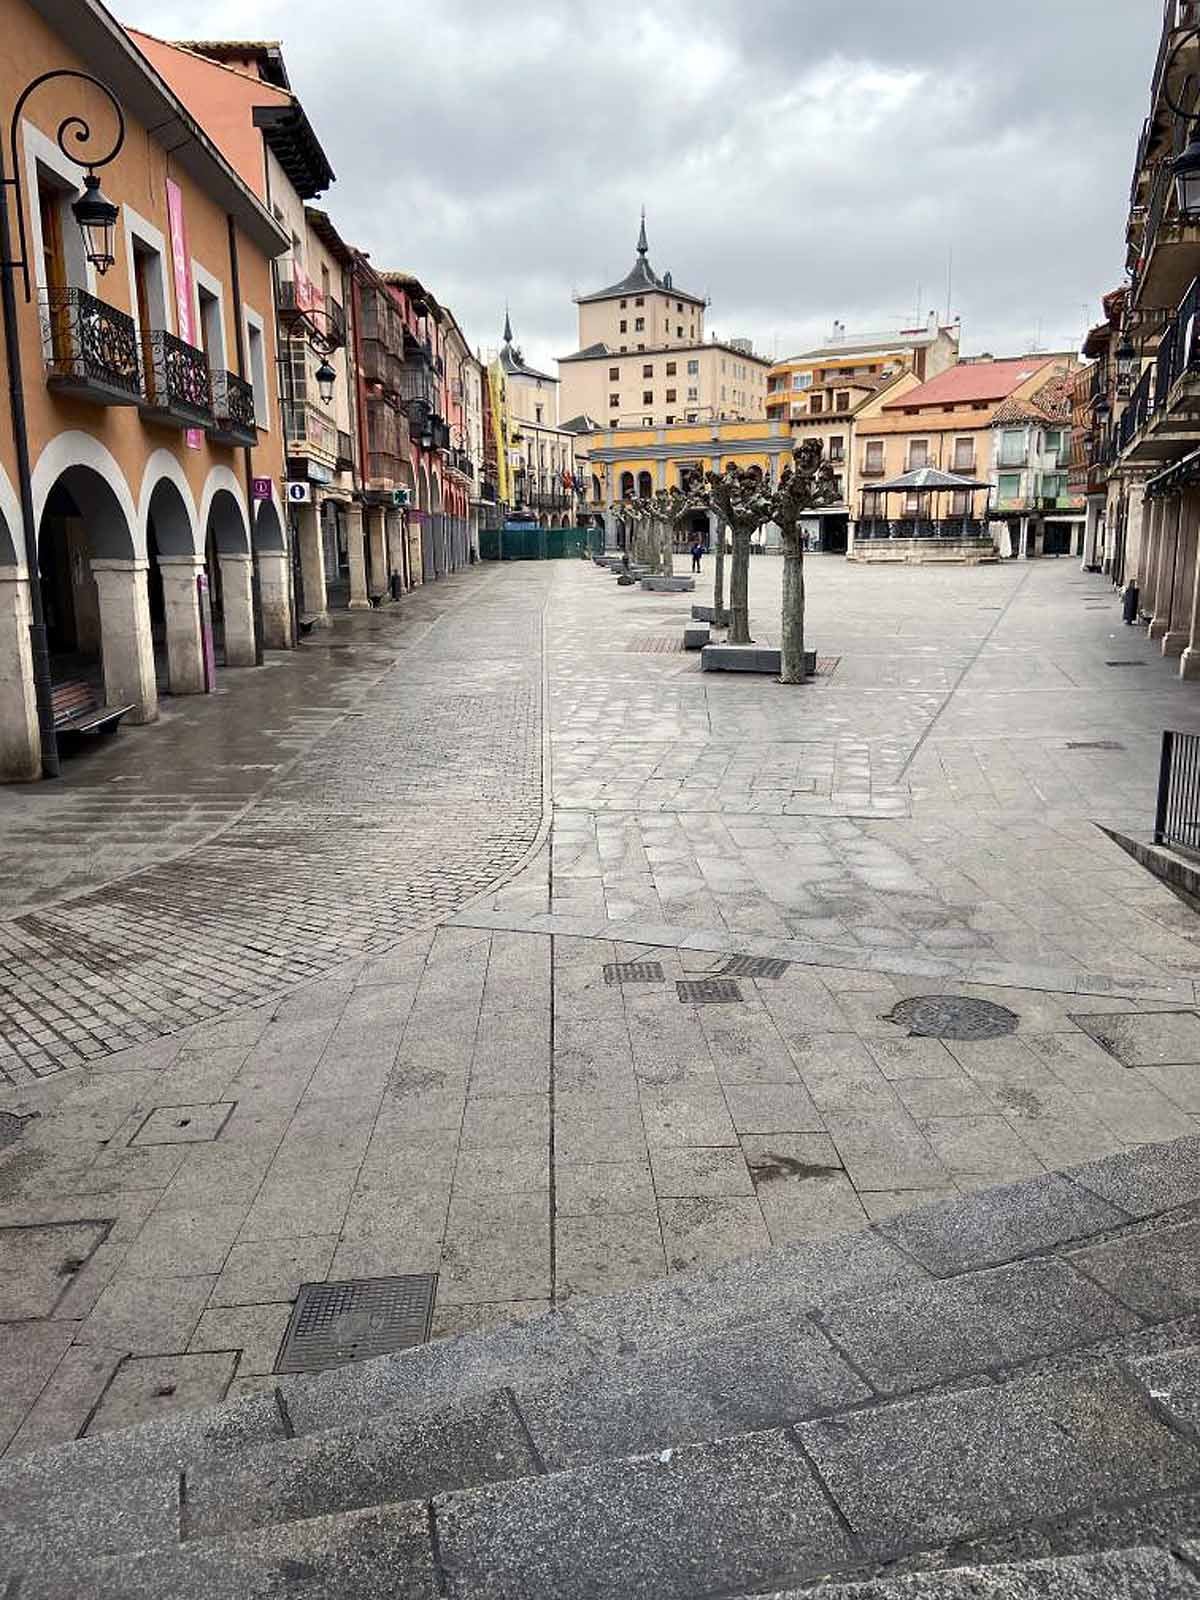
{"x":1179,"y":347}
{"x":1177,"y":814}
{"x":90,"y":344}
{"x":1137,"y":412}
{"x":177,"y":376}
{"x":921,"y":528}
{"x":233,"y":400}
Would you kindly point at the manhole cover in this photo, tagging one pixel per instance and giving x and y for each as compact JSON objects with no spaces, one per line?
{"x":333,"y":1323}
{"x":707,"y":991}
{"x":12,"y":1127}
{"x":633,"y":972}
{"x":753,"y":967}
{"x":1124,"y":663}
{"x":952,"y":1016}
{"x":1094,"y":744}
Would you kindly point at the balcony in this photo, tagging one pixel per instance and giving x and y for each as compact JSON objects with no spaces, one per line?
{"x":178,"y":390}
{"x":383,"y":469}
{"x":1163,"y":258}
{"x":416,"y":381}
{"x":1163,"y":412}
{"x":310,"y":431}
{"x":91,"y":349}
{"x":234,"y":421}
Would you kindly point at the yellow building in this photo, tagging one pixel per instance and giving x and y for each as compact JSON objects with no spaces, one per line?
{"x":625,"y":462}
{"x":833,"y":380}
{"x":644,"y":361}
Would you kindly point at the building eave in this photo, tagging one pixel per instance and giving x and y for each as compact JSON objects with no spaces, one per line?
{"x":295,"y":145}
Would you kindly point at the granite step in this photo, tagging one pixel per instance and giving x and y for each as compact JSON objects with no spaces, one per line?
{"x":838,"y":1495}
{"x":1139,"y":1574}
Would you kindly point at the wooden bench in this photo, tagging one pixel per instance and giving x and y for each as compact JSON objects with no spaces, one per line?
{"x":77,"y":710}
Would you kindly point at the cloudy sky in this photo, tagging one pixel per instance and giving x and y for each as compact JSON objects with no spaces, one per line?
{"x":799,"y":160}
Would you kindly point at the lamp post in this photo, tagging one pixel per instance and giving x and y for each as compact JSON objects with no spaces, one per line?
{"x":97,"y":218}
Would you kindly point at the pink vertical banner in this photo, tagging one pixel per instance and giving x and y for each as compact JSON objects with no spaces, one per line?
{"x":181,"y":262}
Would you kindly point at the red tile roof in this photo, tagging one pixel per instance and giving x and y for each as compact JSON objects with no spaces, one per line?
{"x":978,"y":381}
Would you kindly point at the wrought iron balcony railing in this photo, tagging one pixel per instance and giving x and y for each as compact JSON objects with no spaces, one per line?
{"x":233,"y":410}
{"x":178,"y":385}
{"x":91,"y":348}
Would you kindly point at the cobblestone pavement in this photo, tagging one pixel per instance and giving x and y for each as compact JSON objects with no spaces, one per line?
{"x":487,"y":1091}
{"x":416,"y":787}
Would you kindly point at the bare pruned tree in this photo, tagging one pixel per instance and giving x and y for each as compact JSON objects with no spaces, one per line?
{"x":804,"y":486}
{"x":743,"y":502}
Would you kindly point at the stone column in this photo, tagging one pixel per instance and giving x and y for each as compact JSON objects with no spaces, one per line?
{"x":20,"y":743}
{"x":313,"y":603}
{"x":1168,"y":561}
{"x":126,"y":643}
{"x":1144,"y":566}
{"x":185,"y":652}
{"x":1182,"y":599}
{"x":416,"y":569}
{"x":275,"y":593}
{"x":1089,"y":556}
{"x":377,"y":547}
{"x":360,"y":600}
{"x":395,"y":545}
{"x":237,"y":610}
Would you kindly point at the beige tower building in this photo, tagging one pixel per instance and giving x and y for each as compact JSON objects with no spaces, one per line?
{"x":643,"y":359}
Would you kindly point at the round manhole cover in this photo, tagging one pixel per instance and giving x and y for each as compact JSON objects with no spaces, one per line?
{"x":952,"y":1016}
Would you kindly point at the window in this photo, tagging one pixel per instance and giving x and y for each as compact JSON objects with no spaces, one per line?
{"x":1009,"y":486}
{"x":722,"y":391}
{"x":837,"y":449}
{"x":614,"y":374}
{"x":671,"y":369}
{"x":843,"y":400}
{"x":212,"y":340}
{"x":149,"y":289}
{"x":692,"y":331}
{"x":816,"y":404}
{"x":802,"y":380}
{"x":624,"y":303}
{"x":257,"y":362}
{"x":873,"y":456}
{"x":918,"y":454}
{"x":648,"y":370}
{"x":624,"y":325}
{"x":691,"y":416}
{"x":960,"y":503}
{"x":670,"y":420}
{"x":679,"y":333}
{"x":647,"y":398}
{"x":679,"y":305}
{"x":627,"y":489}
{"x":537,"y":413}
{"x":693,"y":369}
{"x":639,"y":325}
{"x":647,"y":422}
{"x":872,"y":503}
{"x":1012,"y":447}
{"x":614,"y":400}
{"x":670,"y":394}
{"x":624,"y":347}
{"x":640,"y":301}
{"x":693,"y":394}
{"x":964,"y":455}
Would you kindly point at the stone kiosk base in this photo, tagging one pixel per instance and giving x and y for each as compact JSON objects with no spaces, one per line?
{"x":918,"y":552}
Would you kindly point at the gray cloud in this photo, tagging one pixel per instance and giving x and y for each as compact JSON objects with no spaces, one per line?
{"x":798,"y":162}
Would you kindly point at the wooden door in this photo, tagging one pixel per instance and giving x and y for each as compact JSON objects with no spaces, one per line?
{"x":54,"y":263}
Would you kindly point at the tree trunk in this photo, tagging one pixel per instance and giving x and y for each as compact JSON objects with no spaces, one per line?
{"x":739,"y":589}
{"x":668,"y":549}
{"x":791,"y":655}
{"x":719,"y":578}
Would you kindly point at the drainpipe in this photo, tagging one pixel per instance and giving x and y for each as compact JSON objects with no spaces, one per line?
{"x":239,"y":349}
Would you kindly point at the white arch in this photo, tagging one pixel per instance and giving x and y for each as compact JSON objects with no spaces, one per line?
{"x":10,"y":510}
{"x":222,"y":478}
{"x":74,"y":449}
{"x":162,"y":464}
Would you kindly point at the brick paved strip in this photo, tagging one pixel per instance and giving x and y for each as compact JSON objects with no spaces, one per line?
{"x":392,"y":821}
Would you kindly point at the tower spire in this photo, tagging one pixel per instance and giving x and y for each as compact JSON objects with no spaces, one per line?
{"x":507,"y":326}
{"x":642,"y":246}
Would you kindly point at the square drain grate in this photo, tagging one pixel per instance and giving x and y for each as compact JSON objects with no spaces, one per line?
{"x":333,"y":1323}
{"x":753,"y":967}
{"x":633,"y":972}
{"x":706,"y":991}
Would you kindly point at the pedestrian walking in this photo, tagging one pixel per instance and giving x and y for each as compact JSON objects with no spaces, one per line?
{"x":697,"y":554}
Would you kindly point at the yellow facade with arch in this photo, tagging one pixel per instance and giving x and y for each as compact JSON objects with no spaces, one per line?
{"x":645,"y":460}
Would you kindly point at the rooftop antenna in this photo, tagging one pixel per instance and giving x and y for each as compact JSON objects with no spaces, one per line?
{"x":920,"y":301}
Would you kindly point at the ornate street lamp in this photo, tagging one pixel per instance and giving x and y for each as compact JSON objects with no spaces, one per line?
{"x":97,"y":217}
{"x":326,"y":378}
{"x":1126,"y":359}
